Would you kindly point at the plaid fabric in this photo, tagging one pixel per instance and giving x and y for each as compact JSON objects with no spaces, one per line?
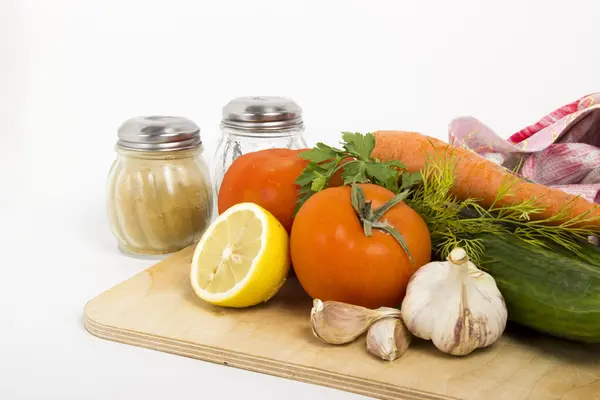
{"x":562,"y":150}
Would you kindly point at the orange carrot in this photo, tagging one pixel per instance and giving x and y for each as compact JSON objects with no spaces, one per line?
{"x":478,"y":178}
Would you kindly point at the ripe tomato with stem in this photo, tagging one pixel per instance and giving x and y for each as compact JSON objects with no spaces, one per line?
{"x":358,"y":244}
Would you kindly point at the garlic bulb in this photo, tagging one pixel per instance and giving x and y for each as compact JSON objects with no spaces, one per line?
{"x":335,"y":322}
{"x":388,"y":338}
{"x":455,"y":305}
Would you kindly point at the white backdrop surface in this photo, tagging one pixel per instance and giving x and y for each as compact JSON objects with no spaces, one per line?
{"x":72,"y":71}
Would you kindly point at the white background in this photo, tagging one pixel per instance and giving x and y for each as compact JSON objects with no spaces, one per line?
{"x":72,"y":71}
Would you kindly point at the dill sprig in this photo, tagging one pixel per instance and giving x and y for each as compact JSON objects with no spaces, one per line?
{"x":445,"y":215}
{"x":453,"y":222}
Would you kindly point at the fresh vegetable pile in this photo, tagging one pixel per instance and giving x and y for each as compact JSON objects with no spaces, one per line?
{"x":397,"y":233}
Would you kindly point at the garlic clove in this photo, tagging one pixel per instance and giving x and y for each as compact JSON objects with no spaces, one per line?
{"x":388,"y":338}
{"x":336,"y":322}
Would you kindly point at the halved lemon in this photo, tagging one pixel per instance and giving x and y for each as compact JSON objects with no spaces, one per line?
{"x":242,"y":259}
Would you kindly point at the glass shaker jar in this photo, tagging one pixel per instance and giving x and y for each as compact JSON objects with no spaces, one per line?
{"x":159,"y":191}
{"x":256,"y":123}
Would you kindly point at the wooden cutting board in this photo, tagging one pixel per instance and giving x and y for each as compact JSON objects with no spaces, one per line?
{"x":158,"y":309}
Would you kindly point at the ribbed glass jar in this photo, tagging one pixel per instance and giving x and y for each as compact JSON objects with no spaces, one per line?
{"x":159,"y":194}
{"x":256,"y":123}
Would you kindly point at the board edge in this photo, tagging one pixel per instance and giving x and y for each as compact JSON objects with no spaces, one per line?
{"x":236,"y":360}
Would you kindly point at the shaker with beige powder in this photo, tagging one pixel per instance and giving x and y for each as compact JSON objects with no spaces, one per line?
{"x":159,"y":194}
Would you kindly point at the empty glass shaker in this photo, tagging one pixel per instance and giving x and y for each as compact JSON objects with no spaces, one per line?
{"x":256,"y":123}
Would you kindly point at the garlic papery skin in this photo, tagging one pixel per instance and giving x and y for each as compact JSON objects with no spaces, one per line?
{"x":455,"y":305}
{"x":388,"y":338}
{"x":334,"y":322}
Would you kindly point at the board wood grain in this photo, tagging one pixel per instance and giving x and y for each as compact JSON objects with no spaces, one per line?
{"x":158,"y":309}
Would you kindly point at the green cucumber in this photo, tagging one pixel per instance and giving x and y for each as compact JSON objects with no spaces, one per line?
{"x":548,"y":290}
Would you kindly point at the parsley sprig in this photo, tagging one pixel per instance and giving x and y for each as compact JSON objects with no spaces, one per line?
{"x":356,"y":163}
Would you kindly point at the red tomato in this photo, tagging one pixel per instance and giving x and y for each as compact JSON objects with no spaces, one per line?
{"x":265,"y":177}
{"x":334,"y":259}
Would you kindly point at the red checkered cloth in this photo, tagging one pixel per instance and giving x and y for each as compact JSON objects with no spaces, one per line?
{"x":562,"y":150}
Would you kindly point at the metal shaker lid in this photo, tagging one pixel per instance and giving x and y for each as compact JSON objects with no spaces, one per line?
{"x":158,"y":133}
{"x":258,"y":113}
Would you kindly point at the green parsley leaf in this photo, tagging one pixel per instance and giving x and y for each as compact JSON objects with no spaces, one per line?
{"x":315,"y":155}
{"x":328,"y":149}
{"x":410,"y":179}
{"x":319,"y":182}
{"x":359,"y":145}
{"x":383,"y":175}
{"x":306,"y":177}
{"x":354,"y":172}
{"x":327,"y":166}
{"x":392,"y":163}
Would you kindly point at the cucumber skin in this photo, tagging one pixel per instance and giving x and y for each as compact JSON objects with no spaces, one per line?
{"x":549,"y":291}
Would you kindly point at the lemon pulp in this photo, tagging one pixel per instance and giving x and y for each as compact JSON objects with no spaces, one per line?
{"x":242,"y":258}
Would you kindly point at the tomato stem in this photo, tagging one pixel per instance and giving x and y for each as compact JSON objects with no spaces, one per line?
{"x":370,"y":219}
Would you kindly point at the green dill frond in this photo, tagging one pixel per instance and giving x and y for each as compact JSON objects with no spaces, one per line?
{"x":454,"y":222}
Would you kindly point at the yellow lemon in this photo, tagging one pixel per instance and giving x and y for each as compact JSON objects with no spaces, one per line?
{"x":242,"y":259}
